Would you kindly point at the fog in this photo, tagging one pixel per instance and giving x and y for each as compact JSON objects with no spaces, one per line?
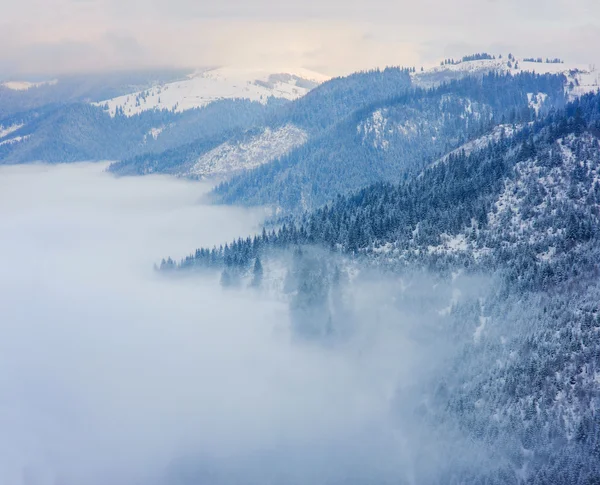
{"x":113,"y":373}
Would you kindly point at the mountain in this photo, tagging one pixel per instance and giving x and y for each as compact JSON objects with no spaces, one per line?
{"x":201,"y":110}
{"x":205,"y":86}
{"x":373,"y":126}
{"x":388,"y":139}
{"x":508,"y":230}
{"x":27,"y":85}
{"x":251,"y":150}
{"x":328,"y":106}
{"x":220,"y":155}
{"x":294,"y":122}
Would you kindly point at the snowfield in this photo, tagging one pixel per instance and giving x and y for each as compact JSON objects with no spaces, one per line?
{"x":205,"y":86}
{"x":250,"y":153}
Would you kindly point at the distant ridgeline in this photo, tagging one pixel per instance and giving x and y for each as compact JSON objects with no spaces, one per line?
{"x":78,"y":88}
{"x":556,"y":60}
{"x":485,"y":56}
{"x":474,"y":57}
{"x":521,"y":384}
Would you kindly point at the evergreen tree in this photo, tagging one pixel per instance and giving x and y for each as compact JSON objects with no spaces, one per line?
{"x":257,"y":273}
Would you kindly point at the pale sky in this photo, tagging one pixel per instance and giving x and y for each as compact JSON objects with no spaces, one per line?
{"x":332,"y":36}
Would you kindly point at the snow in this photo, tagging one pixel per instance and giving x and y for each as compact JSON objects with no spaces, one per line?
{"x":456,"y":294}
{"x":154,"y":132}
{"x":26,"y":85}
{"x":378,"y":126}
{"x":536,"y":101}
{"x":375,"y":126}
{"x":205,"y":86}
{"x":5,"y":131}
{"x":473,"y":66}
{"x":16,"y":139}
{"x":268,"y":145}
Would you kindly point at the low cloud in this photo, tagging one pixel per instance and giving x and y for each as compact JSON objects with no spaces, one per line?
{"x":112,"y":373}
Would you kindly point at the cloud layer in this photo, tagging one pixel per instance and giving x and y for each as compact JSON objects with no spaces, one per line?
{"x":332,"y":36}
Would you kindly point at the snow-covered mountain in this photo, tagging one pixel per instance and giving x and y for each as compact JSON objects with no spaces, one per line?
{"x":581,"y":78}
{"x":205,"y":86}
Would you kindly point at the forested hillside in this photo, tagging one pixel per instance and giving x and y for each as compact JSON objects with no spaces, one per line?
{"x":76,"y":132}
{"x":392,"y":138}
{"x":547,"y":166}
{"x":520,"y":215}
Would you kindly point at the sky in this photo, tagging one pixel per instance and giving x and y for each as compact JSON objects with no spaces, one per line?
{"x":330,"y":36}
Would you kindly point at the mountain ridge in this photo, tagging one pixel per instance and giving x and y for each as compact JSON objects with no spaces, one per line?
{"x":205,"y":86}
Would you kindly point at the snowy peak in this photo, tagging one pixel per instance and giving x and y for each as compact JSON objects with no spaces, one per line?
{"x":206,"y":86}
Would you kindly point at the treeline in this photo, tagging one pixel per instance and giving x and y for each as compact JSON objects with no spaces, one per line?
{"x":555,"y":60}
{"x":480,"y":56}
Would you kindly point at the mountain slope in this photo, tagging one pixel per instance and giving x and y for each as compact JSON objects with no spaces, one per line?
{"x":538,"y":187}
